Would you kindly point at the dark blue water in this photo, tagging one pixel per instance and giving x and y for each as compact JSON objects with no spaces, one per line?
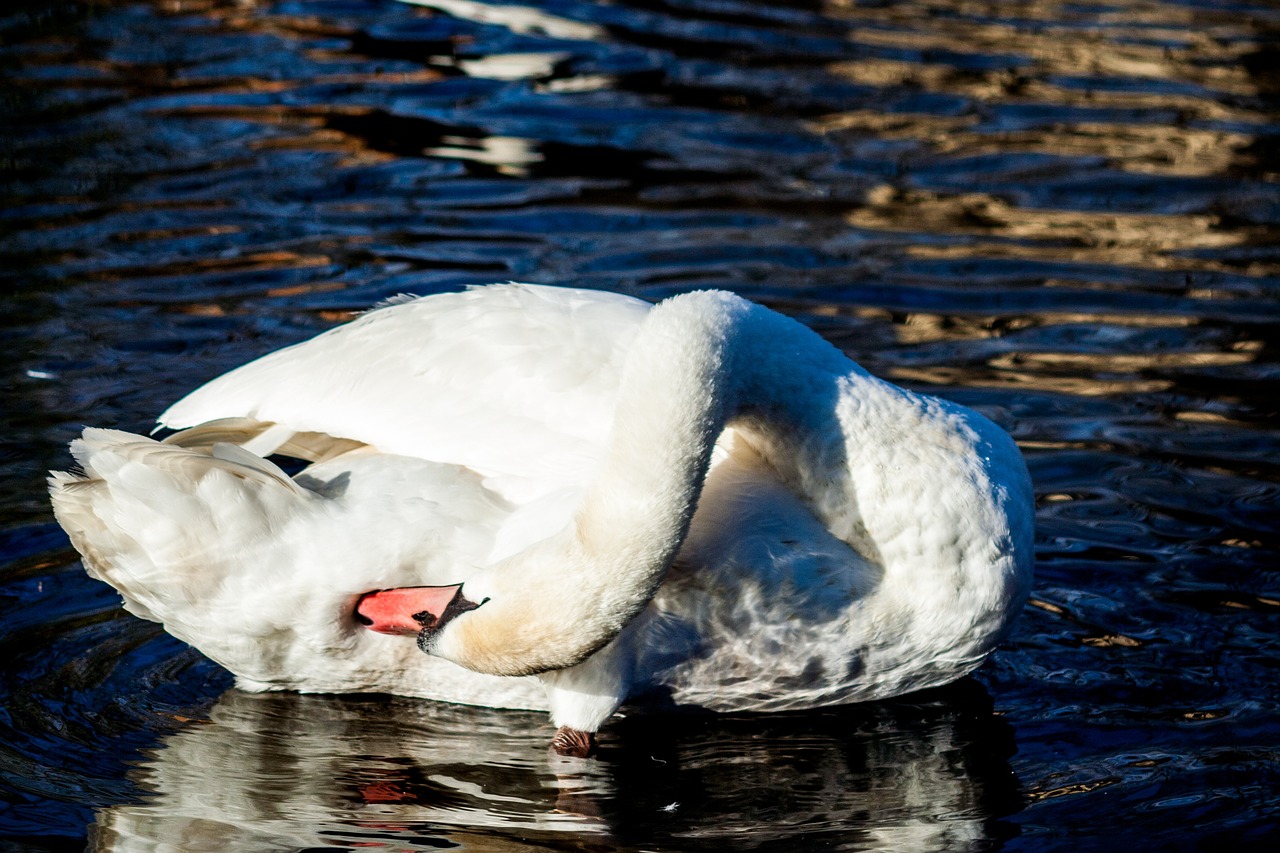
{"x":1064,"y":214}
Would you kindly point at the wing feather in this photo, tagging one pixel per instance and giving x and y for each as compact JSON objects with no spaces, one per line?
{"x":517,"y":382}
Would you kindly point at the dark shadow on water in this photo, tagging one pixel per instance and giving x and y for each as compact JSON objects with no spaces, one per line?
{"x":929,"y":771}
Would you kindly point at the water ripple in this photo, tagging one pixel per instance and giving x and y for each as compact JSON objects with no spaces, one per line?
{"x":1062,"y":214}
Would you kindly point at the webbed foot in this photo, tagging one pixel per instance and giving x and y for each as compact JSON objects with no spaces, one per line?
{"x":573,"y":743}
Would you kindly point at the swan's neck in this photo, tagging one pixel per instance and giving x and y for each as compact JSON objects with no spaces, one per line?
{"x":698,"y":361}
{"x":703,"y":360}
{"x":679,"y":388}
{"x":934,"y":496}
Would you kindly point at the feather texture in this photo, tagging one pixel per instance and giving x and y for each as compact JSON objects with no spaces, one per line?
{"x":702,"y":501}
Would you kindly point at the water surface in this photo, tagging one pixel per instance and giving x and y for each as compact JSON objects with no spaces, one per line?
{"x":1063,"y":214}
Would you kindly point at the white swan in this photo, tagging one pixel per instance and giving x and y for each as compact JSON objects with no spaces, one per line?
{"x":511,"y":474}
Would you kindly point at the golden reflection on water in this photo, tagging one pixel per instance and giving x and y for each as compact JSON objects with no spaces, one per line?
{"x":1179,"y":84}
{"x":1155,"y":149}
{"x":1135,"y":56}
{"x":1152,"y":90}
{"x":1166,"y":42}
{"x":1123,"y":60}
{"x":1002,"y":376}
{"x":1137,"y":239}
{"x":253,"y":262}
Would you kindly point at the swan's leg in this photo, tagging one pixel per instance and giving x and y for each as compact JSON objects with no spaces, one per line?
{"x":584,"y":697}
{"x":572,"y":742}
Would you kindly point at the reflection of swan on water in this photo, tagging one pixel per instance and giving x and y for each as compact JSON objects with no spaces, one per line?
{"x":270,"y":772}
{"x":288,"y":771}
{"x":509,"y":474}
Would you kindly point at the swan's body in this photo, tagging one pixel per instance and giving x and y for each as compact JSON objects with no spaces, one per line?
{"x":546,"y":449}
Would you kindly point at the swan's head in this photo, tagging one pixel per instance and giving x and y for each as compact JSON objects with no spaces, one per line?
{"x":433,"y":614}
{"x":507,"y":634}
{"x":422,"y":611}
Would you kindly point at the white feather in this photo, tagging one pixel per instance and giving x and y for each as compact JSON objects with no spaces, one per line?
{"x":547,"y":447}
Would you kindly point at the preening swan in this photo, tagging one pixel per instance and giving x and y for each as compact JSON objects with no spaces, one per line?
{"x":567,"y":499}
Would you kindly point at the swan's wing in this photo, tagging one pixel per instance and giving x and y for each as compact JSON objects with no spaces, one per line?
{"x":515,"y":381}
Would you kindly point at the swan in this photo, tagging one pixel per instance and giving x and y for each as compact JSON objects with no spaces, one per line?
{"x":568,"y":500}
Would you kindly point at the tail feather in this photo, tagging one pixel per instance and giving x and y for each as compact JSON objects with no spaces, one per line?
{"x":74,"y":500}
{"x":261,"y":574}
{"x":160,"y":522}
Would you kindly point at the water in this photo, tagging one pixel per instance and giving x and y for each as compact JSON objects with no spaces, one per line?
{"x":1063,"y":214}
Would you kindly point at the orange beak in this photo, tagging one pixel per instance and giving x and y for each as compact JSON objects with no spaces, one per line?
{"x":405,"y":610}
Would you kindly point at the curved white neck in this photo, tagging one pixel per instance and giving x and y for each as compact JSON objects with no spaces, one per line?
{"x":702,"y":360}
{"x":698,"y":361}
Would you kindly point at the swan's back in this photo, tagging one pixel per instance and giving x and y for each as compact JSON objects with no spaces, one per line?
{"x":517,"y":382}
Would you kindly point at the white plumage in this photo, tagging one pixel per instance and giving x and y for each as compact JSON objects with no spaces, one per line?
{"x":546,"y":449}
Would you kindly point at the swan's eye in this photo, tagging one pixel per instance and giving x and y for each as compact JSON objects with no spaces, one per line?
{"x":428,"y":620}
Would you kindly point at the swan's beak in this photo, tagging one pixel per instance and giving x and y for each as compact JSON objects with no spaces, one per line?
{"x":406,"y":610}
